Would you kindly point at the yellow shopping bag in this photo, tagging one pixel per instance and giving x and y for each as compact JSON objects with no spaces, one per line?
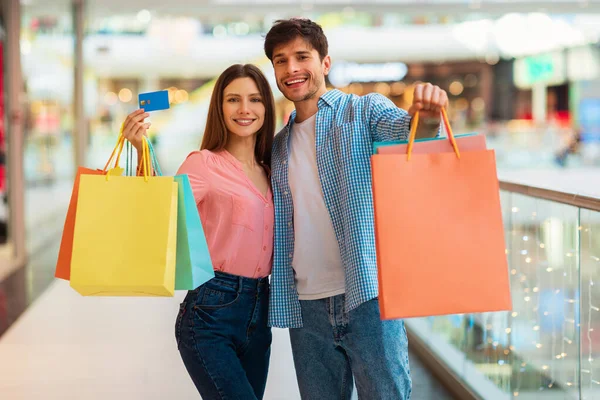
{"x":125,"y":236}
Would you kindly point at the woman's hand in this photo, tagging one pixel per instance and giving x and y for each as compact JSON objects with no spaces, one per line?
{"x":134,"y":128}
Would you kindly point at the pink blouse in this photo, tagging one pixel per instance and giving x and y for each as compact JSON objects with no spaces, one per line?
{"x":237,"y":219}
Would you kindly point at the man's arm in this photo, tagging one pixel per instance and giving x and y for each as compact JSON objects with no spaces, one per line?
{"x":388,"y":122}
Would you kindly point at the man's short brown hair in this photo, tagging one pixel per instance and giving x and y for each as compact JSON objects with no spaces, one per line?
{"x":285,"y":30}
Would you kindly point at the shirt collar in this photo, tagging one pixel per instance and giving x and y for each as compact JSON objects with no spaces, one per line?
{"x":229,"y":157}
{"x":328,"y":99}
{"x":238,"y":164}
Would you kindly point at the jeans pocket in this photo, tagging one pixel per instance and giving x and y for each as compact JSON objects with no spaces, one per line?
{"x":179,"y":322}
{"x":215,"y":297}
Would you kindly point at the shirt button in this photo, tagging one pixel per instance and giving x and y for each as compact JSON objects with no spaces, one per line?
{"x":286,"y":192}
{"x":264,"y":248}
{"x":289,"y":224}
{"x":266,"y":227}
{"x":267,"y":205}
{"x":290,"y":255}
{"x":285,"y":162}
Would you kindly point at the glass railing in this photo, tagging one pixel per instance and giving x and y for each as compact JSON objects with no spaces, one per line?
{"x":548,"y":346}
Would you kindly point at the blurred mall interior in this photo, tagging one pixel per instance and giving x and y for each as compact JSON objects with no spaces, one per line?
{"x":524,"y":73}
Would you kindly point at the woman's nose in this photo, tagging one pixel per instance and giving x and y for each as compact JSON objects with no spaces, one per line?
{"x":244,"y":107}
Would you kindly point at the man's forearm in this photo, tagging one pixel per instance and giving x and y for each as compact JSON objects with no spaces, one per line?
{"x":428,"y":128}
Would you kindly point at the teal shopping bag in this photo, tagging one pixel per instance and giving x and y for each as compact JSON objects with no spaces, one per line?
{"x":193,"y":263}
{"x":194,"y":266}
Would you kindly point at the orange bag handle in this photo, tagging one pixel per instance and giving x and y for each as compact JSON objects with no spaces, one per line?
{"x":413,"y":133}
{"x":119,"y":146}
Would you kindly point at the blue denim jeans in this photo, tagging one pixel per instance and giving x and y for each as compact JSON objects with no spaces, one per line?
{"x":223,"y":337}
{"x":335,"y":348}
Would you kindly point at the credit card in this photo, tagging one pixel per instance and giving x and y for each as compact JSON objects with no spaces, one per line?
{"x":154,"y":101}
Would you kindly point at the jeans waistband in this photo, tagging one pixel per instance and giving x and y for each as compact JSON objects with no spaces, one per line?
{"x":240,"y":283}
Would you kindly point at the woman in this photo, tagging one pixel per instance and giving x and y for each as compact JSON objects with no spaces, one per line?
{"x":221,"y":328}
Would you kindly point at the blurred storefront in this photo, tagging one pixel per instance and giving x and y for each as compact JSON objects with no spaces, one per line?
{"x":49,"y":101}
{"x":12,"y":235}
{"x":546,"y":101}
{"x":3,"y":177}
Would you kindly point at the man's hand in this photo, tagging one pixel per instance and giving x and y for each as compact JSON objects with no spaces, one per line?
{"x":428,"y":100}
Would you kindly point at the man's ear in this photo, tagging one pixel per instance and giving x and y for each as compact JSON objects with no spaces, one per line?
{"x":326,"y":64}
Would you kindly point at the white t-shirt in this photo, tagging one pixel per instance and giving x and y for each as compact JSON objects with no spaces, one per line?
{"x":317,"y":262}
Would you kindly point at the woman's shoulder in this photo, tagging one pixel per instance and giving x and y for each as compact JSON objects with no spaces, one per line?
{"x":202,"y":159}
{"x":202,"y":156}
{"x":195,"y":162}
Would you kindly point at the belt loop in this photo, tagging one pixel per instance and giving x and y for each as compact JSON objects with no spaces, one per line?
{"x":240,"y":284}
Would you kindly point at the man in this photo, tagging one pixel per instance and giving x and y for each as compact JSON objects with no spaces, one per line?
{"x":324,"y":282}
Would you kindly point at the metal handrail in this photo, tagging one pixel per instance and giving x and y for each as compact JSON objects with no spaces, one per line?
{"x":571,"y":199}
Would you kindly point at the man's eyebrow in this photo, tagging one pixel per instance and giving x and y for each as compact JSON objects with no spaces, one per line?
{"x":298,"y":52}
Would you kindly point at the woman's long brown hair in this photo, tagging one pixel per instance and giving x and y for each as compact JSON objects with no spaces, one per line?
{"x":216,"y":133}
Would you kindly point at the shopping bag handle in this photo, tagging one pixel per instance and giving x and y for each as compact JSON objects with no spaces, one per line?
{"x":154,"y":159}
{"x":145,"y":157}
{"x":413,"y":132}
{"x":118,"y":150}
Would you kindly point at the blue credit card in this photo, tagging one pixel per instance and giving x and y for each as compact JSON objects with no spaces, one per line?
{"x":154,"y":101}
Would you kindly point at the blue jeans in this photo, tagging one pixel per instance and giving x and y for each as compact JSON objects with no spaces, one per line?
{"x":334,"y":348}
{"x":223,"y":337}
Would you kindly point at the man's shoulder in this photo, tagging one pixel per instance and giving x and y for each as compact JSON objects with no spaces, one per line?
{"x":279,"y":137}
{"x":351,"y":108}
{"x":350,"y":100}
{"x":375,"y":98}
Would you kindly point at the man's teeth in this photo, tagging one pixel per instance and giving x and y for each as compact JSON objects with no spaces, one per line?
{"x":296,"y":81}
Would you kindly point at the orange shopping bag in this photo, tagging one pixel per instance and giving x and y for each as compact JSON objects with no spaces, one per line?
{"x":439,"y":233}
{"x":63,"y":263}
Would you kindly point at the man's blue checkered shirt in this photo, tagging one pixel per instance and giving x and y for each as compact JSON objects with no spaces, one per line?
{"x":346,"y":127}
